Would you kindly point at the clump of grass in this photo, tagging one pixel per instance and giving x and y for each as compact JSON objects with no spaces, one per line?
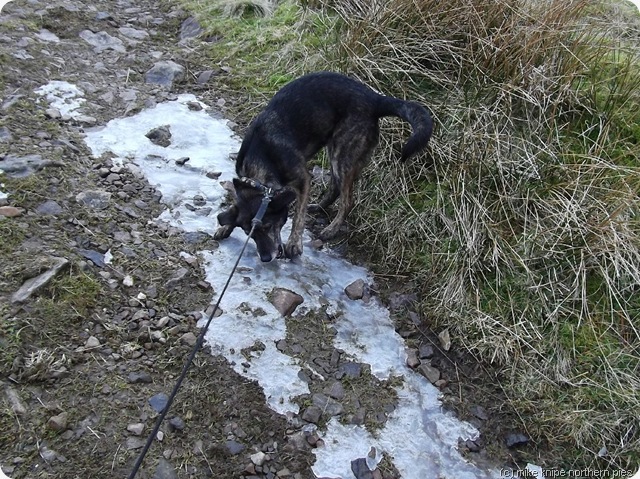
{"x":262,"y":44}
{"x":523,"y":220}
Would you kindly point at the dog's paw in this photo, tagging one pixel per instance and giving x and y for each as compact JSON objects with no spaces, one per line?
{"x":293,"y":250}
{"x":222,"y":232}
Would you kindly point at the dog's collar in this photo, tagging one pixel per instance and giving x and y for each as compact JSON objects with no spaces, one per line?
{"x":266,"y":190}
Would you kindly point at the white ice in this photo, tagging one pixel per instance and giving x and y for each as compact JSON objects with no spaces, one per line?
{"x":419,"y":437}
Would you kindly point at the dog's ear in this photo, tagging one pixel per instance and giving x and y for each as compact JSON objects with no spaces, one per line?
{"x":283,"y":198}
{"x":229,"y":217}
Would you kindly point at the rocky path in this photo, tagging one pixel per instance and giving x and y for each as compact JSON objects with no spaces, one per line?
{"x":99,"y":303}
{"x":98,"y":307}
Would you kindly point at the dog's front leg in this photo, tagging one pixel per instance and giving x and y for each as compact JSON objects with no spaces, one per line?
{"x":293,"y":247}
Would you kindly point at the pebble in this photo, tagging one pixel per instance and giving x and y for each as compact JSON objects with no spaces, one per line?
{"x":429,"y":372}
{"x":259,"y":458}
{"x":355,"y":290}
{"x":189,"y":339}
{"x":285,"y":300}
{"x":11,"y":211}
{"x":159,"y":401}
{"x":412,"y":358}
{"x":59,"y":422}
{"x":139,"y":378}
{"x":234,"y":447}
{"x":136,"y":428}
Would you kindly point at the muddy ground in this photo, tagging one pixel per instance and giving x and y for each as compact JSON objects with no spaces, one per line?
{"x":81,"y":357}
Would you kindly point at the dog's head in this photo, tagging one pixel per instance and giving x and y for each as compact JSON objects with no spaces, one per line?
{"x":266,"y":235}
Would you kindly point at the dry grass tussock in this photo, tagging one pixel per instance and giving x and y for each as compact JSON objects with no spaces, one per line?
{"x":523,"y":221}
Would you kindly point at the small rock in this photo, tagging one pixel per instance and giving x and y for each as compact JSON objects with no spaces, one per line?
{"x":355,"y":290}
{"x":177,"y":423}
{"x":11,"y":211}
{"x":49,"y":207}
{"x":350,"y":369}
{"x":58,"y":423}
{"x":425,"y":351}
{"x":102,"y":41}
{"x":429,"y":372}
{"x":336,"y":390}
{"x":95,"y":199}
{"x":176,"y":278}
{"x":360,"y":469}
{"x":159,"y":401}
{"x":133,"y":443}
{"x":92,"y":343}
{"x":33,"y":285}
{"x":516,"y":439}
{"x":17,"y":405}
{"x":234,"y":447}
{"x":53,"y":113}
{"x":133,"y":33}
{"x":445,"y":339}
{"x":182,"y":161}
{"x":312,"y":414}
{"x":259,"y":458}
{"x":327,"y":405}
{"x":164,"y":73}
{"x":285,"y":301}
{"x":139,"y":378}
{"x":412,"y":358}
{"x":190,"y":28}
{"x":136,"y":428}
{"x":189,"y":339}
{"x":160,"y":136}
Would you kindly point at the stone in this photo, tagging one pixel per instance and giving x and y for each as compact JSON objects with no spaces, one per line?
{"x":445,"y":339}
{"x":19,"y":167}
{"x":95,"y":199}
{"x":516,"y":439}
{"x":234,"y":447}
{"x":312,"y":414}
{"x":10,"y":211}
{"x":133,"y":443}
{"x":259,"y":458}
{"x":412,"y":358}
{"x":327,"y":405}
{"x":336,"y":390}
{"x":141,"y":377}
{"x":190,"y":28}
{"x":178,"y":276}
{"x":96,"y":257}
{"x":177,"y":423}
{"x":102,"y":41}
{"x":160,"y":136}
{"x":136,"y":428}
{"x":164,"y":73}
{"x":133,"y":33}
{"x":33,"y":285}
{"x":355,"y":290}
{"x":189,"y":339}
{"x":92,"y":342}
{"x":59,"y":422}
{"x":17,"y":404}
{"x":285,"y":300}
{"x":360,"y":469}
{"x":49,"y":207}
{"x":350,"y":369}
{"x":159,"y":402}
{"x":47,"y":36}
{"x":425,"y":351}
{"x":429,"y":372}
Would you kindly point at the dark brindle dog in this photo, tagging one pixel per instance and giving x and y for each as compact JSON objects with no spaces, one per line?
{"x":314,"y":111}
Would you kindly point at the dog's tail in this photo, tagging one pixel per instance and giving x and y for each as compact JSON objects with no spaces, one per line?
{"x":416,"y":115}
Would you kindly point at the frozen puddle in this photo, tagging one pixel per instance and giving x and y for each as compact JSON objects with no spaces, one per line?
{"x":420,"y":438}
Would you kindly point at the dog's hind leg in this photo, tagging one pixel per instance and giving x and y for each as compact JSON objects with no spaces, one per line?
{"x":351,"y":151}
{"x":333,"y":190}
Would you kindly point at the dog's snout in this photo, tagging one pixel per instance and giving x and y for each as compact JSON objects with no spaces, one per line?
{"x":266,"y":257}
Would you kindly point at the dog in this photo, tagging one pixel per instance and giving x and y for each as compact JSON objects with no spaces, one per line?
{"x":317,"y":110}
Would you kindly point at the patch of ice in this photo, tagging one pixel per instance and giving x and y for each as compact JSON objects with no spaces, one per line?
{"x":63,"y":96}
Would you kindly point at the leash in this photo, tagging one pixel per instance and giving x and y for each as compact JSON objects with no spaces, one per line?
{"x":256,"y":221}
